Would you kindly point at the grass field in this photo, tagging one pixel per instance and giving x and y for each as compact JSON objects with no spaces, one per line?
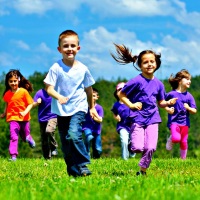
{"x":111,"y":179}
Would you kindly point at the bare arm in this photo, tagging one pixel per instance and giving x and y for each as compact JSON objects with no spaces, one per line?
{"x":117,"y":117}
{"x":4,"y":113}
{"x":39,"y":101}
{"x":170,"y":102}
{"x":27,"y":110}
{"x":126,"y":101}
{"x":170,"y":110}
{"x":93,"y":111}
{"x":61,"y":99}
{"x":189,"y":109}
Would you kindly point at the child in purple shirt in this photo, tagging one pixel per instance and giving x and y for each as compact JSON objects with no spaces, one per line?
{"x":121,"y":113}
{"x":178,"y":115}
{"x":141,"y":94}
{"x":92,"y":128}
{"x":48,"y":123}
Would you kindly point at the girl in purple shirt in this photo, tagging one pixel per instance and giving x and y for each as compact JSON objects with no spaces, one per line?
{"x":141,"y":94}
{"x":178,"y":115}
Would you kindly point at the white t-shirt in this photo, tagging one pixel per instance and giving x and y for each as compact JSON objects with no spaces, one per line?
{"x":69,"y":82}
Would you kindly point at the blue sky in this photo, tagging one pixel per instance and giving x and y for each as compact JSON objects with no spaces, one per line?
{"x":29,"y":32}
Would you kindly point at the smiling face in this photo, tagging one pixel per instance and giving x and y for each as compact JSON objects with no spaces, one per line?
{"x":68,"y":48}
{"x":148,"y":65}
{"x":185,"y":83}
{"x":13,"y":83}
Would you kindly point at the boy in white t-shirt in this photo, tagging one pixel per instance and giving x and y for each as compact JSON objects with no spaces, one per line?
{"x":69,"y":82}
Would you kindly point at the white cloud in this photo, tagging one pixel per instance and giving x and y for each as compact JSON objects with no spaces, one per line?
{"x":20,"y":44}
{"x":43,"y":48}
{"x":33,"y":7}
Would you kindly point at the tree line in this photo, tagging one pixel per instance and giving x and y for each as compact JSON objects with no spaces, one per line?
{"x":110,"y":138}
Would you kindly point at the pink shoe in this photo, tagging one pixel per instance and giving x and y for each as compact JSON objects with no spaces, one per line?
{"x":169,"y":144}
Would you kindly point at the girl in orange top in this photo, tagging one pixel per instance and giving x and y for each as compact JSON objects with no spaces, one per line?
{"x":17,"y":110}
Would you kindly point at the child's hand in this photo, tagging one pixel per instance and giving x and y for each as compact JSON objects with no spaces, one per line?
{"x":186,"y":106}
{"x":118,"y":118}
{"x":137,"y":105}
{"x":93,"y":113}
{"x":170,"y":110}
{"x":172,"y":101}
{"x":22,"y":113}
{"x":3,"y":115}
{"x":39,"y":100}
{"x":63,"y":100}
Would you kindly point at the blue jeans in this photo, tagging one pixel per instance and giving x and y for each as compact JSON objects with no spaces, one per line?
{"x":95,"y":139}
{"x":72,"y":145}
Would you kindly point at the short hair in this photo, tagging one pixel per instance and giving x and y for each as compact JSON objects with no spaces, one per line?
{"x":65,"y":34}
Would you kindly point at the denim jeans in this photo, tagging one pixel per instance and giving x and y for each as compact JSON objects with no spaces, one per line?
{"x":72,"y":145}
{"x":95,"y":139}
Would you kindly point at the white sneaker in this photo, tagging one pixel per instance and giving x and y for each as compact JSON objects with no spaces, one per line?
{"x":169,"y":144}
{"x":54,"y":153}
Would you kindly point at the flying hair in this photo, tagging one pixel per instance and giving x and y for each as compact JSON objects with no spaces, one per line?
{"x":124,"y":56}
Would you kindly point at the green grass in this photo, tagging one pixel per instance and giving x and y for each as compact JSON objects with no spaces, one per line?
{"x":111,"y":179}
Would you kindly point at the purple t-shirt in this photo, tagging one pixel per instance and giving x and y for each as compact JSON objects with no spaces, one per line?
{"x":148,"y":92}
{"x":180,"y":115}
{"x":89,"y":123}
{"x":44,"y":109}
{"x":123,"y":111}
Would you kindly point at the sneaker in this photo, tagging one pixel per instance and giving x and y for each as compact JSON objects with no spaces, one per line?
{"x":132,"y":155}
{"x":30,"y":141}
{"x":13,"y":158}
{"x":54,"y":153}
{"x":84,"y":171}
{"x":169,"y":144}
{"x":73,"y":171}
{"x":141,"y":173}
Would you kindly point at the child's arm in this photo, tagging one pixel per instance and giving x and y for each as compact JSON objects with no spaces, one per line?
{"x":117,"y":117}
{"x":61,"y":99}
{"x":189,"y":109}
{"x":93,"y":111}
{"x":99,"y":120}
{"x":126,"y":101}
{"x":4,"y":113}
{"x":170,"y":110}
{"x":164,"y":103}
{"x":27,"y":110}
{"x":39,"y":101}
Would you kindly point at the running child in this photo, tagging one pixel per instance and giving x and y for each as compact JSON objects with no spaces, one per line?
{"x":142,"y":94}
{"x":179,"y":113}
{"x":17,"y":110}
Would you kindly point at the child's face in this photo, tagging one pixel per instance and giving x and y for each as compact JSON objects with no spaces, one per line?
{"x":95,"y":96}
{"x":13,"y":83}
{"x":185,"y":82}
{"x":69,"y":47}
{"x":148,"y":64}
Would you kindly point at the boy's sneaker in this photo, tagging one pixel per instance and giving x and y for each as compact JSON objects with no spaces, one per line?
{"x":169,"y":144}
{"x":84,"y":171}
{"x":30,"y":141}
{"x":13,"y":158}
{"x":54,"y":153}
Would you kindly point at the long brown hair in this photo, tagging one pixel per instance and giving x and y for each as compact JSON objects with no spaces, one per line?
{"x":124,"y":56}
{"x":23,"y":82}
